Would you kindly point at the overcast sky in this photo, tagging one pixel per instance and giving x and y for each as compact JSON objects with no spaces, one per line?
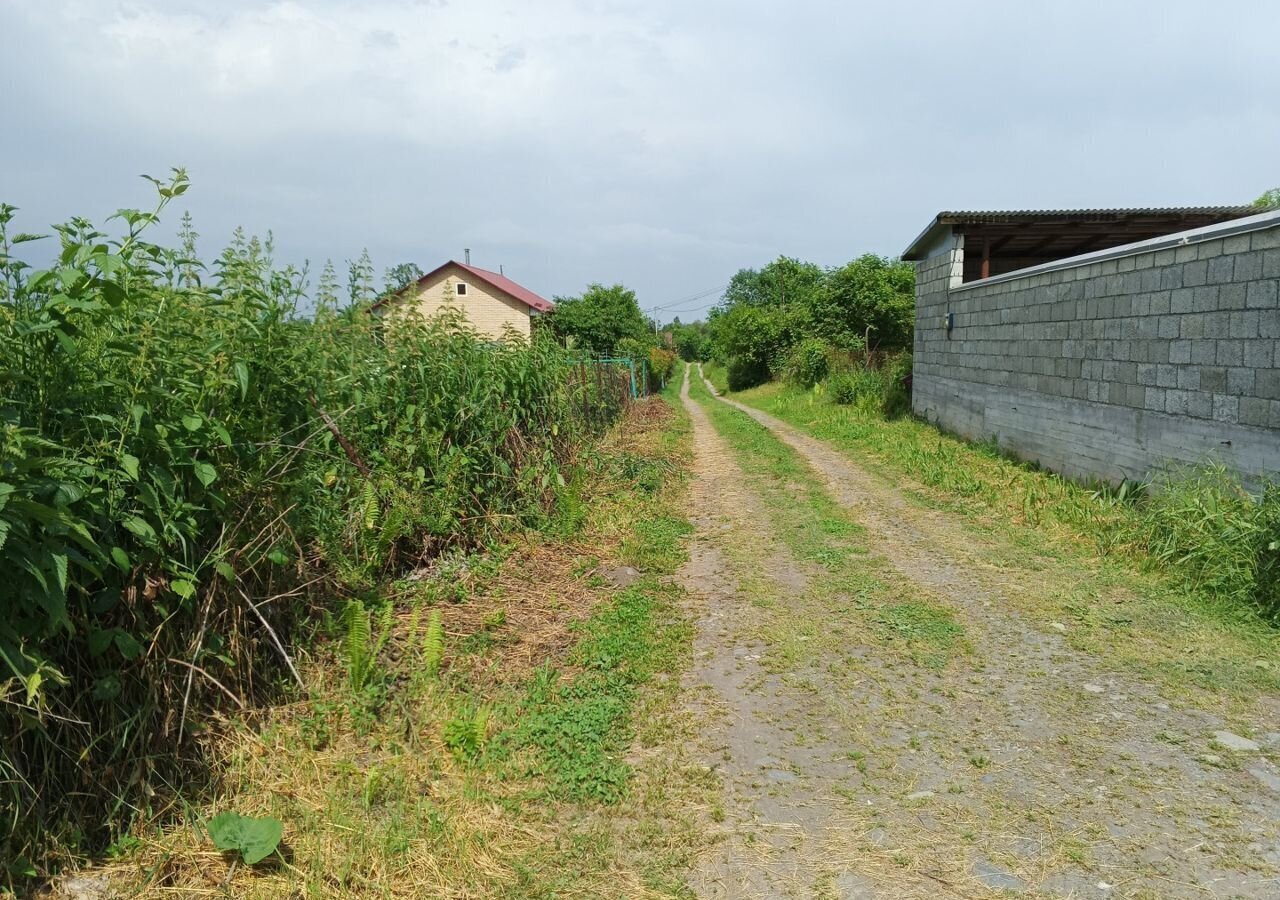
{"x":663,"y":144}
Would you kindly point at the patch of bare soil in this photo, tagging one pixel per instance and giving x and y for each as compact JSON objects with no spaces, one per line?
{"x":1028,"y":767}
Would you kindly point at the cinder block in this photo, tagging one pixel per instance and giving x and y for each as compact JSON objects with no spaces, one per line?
{"x":1220,"y":269}
{"x":1176,"y":402}
{"x":1167,"y":376}
{"x":1205,"y":298}
{"x":1180,"y":352}
{"x":1262,"y":295}
{"x":1240,"y":381}
{"x":1248,"y":266}
{"x":1226,"y":409}
{"x":1232,"y":296}
{"x":1259,"y":354}
{"x":1200,"y":405}
{"x":1243,"y":324}
{"x":1271,"y":263}
{"x":1170,"y":278}
{"x":1195,"y":273}
{"x":1182,"y":300}
{"x":1189,"y":378}
{"x":1230,"y":353}
{"x":1267,"y":384}
{"x":1254,"y":411}
{"x":1217,"y":325}
{"x":1265,"y":240}
{"x":1213,"y":378}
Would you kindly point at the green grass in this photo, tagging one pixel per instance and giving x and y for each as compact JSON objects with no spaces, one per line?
{"x":1099,"y":566}
{"x":583,"y":729}
{"x":852,"y":596}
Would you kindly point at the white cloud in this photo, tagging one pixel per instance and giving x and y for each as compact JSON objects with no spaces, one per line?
{"x":660,"y":143}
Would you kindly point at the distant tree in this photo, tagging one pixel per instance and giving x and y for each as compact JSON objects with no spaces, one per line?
{"x":1269,"y":200}
{"x":400,"y":276}
{"x":600,"y":320}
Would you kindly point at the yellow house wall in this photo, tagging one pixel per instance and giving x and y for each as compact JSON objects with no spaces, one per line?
{"x":489,"y":311}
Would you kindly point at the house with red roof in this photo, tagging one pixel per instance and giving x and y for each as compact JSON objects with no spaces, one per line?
{"x":492,"y":303}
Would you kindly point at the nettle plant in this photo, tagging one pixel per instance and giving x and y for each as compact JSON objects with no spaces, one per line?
{"x":189,"y":464}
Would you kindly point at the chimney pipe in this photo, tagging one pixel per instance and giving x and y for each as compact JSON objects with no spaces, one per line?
{"x":467,"y":255}
{"x":500,"y":272}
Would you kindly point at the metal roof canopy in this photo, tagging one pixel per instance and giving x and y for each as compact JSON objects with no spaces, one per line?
{"x":1001,"y":241}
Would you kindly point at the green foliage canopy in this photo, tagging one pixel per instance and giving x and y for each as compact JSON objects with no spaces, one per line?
{"x":598,"y":321}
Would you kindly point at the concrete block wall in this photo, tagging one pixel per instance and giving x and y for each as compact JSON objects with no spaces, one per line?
{"x":1112,"y":368}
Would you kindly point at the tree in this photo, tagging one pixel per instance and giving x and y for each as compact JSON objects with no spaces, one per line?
{"x":399,"y":277}
{"x":600,"y":320}
{"x":1269,"y":200}
{"x":781,"y":282}
{"x":871,"y":298}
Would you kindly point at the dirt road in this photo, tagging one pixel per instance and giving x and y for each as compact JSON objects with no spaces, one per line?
{"x":998,"y":759}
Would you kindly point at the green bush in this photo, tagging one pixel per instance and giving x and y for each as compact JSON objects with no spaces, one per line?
{"x":808,"y":362}
{"x":743,"y":372}
{"x":189,"y":466}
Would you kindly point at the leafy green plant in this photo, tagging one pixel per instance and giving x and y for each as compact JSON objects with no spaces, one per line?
{"x":253,"y":838}
{"x":808,"y":362}
{"x":465,"y":734}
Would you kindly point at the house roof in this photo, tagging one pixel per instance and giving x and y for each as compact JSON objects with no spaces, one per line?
{"x":1058,"y":233}
{"x":493,"y":279}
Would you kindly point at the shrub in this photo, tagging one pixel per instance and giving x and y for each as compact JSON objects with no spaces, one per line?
{"x":808,"y":362}
{"x":662,"y":364}
{"x":743,"y":372}
{"x":188,"y":467}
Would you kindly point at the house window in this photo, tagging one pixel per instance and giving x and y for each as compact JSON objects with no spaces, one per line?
{"x":461,"y":290}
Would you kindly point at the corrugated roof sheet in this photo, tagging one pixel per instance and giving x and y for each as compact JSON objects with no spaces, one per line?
{"x":1129,"y":215}
{"x":1101,"y":215}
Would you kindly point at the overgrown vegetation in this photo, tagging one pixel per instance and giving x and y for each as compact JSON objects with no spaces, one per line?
{"x":521,"y":743}
{"x":795,"y":320}
{"x":189,"y":467}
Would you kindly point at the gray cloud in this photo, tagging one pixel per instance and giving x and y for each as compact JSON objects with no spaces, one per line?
{"x":661,"y":144}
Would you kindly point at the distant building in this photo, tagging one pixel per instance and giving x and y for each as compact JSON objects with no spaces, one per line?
{"x":1104,"y":343}
{"x":490,"y":302}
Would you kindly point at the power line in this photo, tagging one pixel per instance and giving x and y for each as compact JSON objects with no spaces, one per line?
{"x":699,"y":296}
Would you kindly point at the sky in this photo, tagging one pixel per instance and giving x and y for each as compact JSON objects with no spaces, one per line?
{"x":662,"y":144}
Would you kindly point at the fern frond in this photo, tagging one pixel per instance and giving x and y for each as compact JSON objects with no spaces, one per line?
{"x":356,"y":643}
{"x":370,"y":506}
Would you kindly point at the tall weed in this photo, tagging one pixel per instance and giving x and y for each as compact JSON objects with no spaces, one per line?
{"x":189,"y":466}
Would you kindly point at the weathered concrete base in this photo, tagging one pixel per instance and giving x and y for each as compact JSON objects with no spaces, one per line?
{"x":1087,"y":440}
